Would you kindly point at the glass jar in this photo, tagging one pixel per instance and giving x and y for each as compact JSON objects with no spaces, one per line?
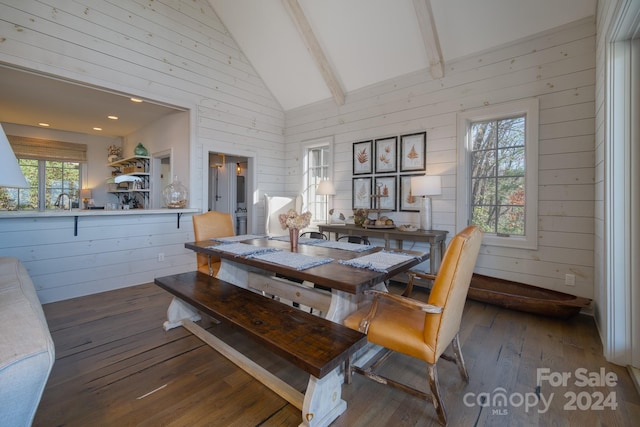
{"x":140,"y":150}
{"x":175,"y":195}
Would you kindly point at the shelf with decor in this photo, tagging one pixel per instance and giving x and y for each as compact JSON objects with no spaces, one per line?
{"x":130,"y":181}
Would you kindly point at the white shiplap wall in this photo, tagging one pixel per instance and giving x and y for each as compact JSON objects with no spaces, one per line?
{"x":109,"y":252}
{"x":558,"y":68}
{"x":173,"y":51}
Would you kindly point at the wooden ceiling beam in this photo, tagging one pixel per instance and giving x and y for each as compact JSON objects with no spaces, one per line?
{"x":430,"y":37}
{"x":302,"y":24}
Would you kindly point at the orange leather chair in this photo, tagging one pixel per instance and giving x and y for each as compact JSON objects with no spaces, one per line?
{"x":420,"y":330}
{"x":208,"y":225}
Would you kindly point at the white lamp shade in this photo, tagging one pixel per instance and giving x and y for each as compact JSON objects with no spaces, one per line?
{"x":85,"y":193}
{"x":10,"y":172}
{"x":426,"y":185}
{"x":326,"y":188}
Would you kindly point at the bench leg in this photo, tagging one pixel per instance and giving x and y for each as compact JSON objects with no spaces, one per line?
{"x":322,"y":400}
{"x":179,"y":310}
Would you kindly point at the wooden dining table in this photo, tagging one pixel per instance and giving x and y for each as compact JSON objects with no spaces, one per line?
{"x":330,"y":288}
{"x":345,"y":283}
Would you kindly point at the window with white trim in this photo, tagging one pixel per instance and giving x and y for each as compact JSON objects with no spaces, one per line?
{"x":317,"y":167}
{"x":498,"y":172}
{"x":51,"y":168}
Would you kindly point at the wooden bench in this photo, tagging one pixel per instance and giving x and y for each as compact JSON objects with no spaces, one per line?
{"x":316,"y":345}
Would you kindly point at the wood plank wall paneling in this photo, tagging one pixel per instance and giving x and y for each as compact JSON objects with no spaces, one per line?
{"x":179,"y":50}
{"x":109,"y":252}
{"x":174,"y":51}
{"x":557,"y":67}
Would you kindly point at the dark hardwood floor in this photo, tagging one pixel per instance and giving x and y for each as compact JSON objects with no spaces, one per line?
{"x":116,"y":366}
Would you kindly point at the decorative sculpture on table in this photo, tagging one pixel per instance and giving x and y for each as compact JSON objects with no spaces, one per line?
{"x":294,"y":222}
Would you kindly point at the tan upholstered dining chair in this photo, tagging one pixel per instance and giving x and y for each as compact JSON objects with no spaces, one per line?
{"x":423,"y":331}
{"x":208,"y":225}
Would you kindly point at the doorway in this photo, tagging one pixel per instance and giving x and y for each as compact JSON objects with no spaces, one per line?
{"x":161,"y":176}
{"x":230,"y":187}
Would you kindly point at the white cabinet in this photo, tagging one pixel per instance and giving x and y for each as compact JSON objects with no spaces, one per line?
{"x":134,"y":191}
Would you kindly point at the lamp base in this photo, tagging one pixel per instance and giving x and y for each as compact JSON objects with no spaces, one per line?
{"x":425,"y":214}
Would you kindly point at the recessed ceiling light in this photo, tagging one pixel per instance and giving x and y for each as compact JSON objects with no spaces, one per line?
{"x":112,"y":117}
{"x":136,"y":99}
{"x":97,"y":128}
{"x":44,"y":124}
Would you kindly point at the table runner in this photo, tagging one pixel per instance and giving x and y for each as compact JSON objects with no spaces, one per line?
{"x":292,"y":259}
{"x":301,"y":240}
{"x":241,"y":249}
{"x":238,"y":238}
{"x":380,"y":261}
{"x":346,"y":246}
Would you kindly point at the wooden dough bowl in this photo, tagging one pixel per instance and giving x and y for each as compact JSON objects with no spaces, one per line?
{"x":531,"y":299}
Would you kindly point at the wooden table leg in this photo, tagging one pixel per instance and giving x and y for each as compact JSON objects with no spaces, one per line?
{"x":178,"y":311}
{"x":322,"y":400}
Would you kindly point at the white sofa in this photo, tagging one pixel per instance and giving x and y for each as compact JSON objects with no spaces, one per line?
{"x":26,"y":348}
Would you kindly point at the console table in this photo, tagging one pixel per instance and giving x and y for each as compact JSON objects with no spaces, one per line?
{"x":435,"y":238}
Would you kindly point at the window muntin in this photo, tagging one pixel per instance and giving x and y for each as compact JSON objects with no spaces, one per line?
{"x":317,"y":155}
{"x":498,"y":176}
{"x":317,"y":170}
{"x":501,"y":141}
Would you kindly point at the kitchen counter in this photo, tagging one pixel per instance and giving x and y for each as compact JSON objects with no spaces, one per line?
{"x":92,"y":212}
{"x":78,"y":213}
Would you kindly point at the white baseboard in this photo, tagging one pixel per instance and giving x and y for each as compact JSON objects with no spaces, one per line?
{"x":635,"y":376}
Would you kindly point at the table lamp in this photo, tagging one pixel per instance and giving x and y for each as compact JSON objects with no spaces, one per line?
{"x":426,"y":186}
{"x":85,"y":195}
{"x":326,"y":189}
{"x":10,"y":172}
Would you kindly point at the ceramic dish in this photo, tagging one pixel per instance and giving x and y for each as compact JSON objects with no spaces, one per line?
{"x":407,"y":228}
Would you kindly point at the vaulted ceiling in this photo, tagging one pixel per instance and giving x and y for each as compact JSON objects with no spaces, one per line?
{"x":311,"y":50}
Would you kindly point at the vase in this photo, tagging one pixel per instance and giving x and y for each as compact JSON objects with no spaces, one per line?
{"x":293,"y":238}
{"x":140,"y":150}
{"x":175,"y":195}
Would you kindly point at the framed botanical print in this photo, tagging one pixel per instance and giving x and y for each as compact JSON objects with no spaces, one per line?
{"x":386,"y":187}
{"x":361,"y":195}
{"x":386,"y":155}
{"x":413,"y":152}
{"x":408,"y":202}
{"x":362,"y":158}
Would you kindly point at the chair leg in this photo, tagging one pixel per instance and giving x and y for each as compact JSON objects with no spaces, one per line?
{"x":409,"y":289}
{"x":347,"y":371}
{"x":459,"y":359}
{"x":436,"y":399}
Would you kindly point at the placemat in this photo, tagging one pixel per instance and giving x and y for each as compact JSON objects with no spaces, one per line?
{"x":292,"y":259}
{"x":238,"y":238}
{"x":241,"y":249}
{"x":379,"y":261}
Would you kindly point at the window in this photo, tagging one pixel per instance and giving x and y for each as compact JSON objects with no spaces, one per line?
{"x":47,"y":180}
{"x":52,"y":168}
{"x":498,"y":173}
{"x":316,"y":168}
